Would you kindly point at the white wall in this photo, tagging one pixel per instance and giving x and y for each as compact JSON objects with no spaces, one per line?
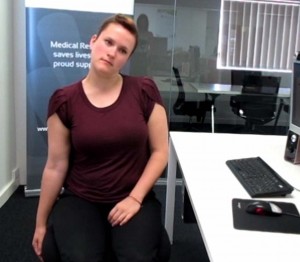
{"x":20,"y":87}
{"x":9,"y":168}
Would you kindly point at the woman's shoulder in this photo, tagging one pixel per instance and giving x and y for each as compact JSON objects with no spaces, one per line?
{"x":71,"y":89}
{"x":67,"y":91}
{"x":143,"y":85}
{"x":63,"y":94}
{"x":140,"y":82}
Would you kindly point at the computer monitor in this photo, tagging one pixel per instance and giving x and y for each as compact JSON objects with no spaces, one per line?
{"x":292,"y":150}
{"x":238,"y":76}
{"x":261,"y":84}
{"x":295,"y":99}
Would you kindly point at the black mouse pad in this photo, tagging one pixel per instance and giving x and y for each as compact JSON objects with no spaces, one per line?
{"x":283,"y":223}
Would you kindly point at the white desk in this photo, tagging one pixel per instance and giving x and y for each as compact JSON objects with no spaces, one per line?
{"x":226,"y":89}
{"x":164,"y":85}
{"x":214,"y":90}
{"x":211,"y":187}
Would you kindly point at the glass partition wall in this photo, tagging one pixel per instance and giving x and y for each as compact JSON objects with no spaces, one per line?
{"x":179,"y":48}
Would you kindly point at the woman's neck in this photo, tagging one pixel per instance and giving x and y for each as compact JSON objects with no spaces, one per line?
{"x":102,"y":91}
{"x":102,"y":82}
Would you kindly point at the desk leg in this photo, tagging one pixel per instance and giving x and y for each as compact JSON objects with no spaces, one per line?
{"x":171,"y":187}
{"x":213,"y":98}
{"x":212,"y":118}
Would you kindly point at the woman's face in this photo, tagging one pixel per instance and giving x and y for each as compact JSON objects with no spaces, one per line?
{"x":111,"y":50}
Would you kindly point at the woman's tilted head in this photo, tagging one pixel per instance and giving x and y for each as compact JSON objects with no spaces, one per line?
{"x":123,"y":20}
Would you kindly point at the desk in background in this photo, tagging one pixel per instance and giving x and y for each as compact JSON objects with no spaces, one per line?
{"x":165,"y":85}
{"x":214,"y":90}
{"x":211,"y":187}
{"x":225,"y":89}
{"x":218,"y":89}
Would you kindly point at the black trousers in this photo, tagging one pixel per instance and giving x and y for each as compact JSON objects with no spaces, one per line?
{"x":78,"y":231}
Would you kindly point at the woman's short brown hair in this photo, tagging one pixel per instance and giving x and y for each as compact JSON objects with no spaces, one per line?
{"x":123,"y":20}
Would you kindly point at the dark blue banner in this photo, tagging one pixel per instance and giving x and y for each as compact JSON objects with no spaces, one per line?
{"x":57,"y":54}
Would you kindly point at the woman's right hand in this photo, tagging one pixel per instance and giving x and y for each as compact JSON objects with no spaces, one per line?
{"x":37,"y":241}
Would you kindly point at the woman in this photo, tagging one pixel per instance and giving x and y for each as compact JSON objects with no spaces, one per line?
{"x":107,"y":146}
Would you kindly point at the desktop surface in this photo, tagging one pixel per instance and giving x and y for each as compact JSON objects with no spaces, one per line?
{"x":164,"y":84}
{"x":212,"y":186}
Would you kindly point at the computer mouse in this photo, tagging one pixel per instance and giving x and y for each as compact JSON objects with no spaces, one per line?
{"x":264,"y":208}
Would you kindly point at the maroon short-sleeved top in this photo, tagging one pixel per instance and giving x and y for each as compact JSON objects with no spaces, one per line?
{"x":109,"y":146}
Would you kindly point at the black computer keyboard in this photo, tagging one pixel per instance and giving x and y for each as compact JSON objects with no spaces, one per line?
{"x":258,"y":178}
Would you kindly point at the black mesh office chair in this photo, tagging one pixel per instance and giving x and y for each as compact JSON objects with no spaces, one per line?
{"x":192,"y":109}
{"x":258,"y":102}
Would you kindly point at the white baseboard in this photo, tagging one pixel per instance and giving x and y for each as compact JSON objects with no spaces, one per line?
{"x":8,"y":190}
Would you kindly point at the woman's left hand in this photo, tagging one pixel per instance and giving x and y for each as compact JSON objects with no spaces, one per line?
{"x":123,"y":211}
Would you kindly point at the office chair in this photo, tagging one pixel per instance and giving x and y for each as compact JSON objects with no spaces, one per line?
{"x":258,"y":102}
{"x":189,"y":108}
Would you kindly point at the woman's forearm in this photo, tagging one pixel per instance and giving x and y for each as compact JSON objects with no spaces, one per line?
{"x":152,"y":172}
{"x":52,"y":183}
